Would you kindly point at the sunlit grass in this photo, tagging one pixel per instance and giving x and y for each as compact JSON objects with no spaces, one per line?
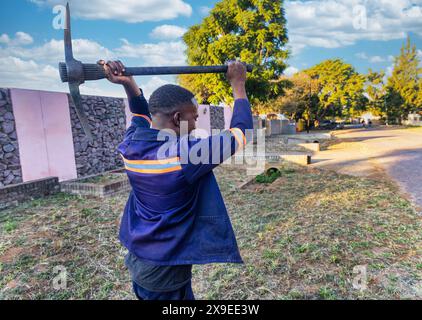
{"x":300,"y":237}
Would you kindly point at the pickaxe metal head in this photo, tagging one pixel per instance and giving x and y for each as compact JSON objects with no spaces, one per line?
{"x":74,"y":72}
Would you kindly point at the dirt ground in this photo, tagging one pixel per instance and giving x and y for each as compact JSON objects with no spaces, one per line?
{"x":301,"y":237}
{"x":383,"y":152}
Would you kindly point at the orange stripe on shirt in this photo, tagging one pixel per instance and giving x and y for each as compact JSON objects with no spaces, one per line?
{"x":235,"y":132}
{"x":161,"y":161}
{"x":155,"y":171}
{"x":143,"y":116}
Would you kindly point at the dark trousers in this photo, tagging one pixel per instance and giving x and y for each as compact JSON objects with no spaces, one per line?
{"x":184,"y":293}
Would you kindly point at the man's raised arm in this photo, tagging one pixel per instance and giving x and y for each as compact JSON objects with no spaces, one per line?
{"x":138,"y":105}
{"x":222,"y":146}
{"x":242,"y":113}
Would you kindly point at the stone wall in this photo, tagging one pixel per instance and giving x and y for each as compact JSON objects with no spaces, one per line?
{"x":53,"y":144}
{"x":217,"y":117}
{"x":108,"y":124}
{"x":10,"y":168}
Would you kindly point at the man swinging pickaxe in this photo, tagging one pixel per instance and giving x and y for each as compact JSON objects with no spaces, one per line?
{"x":75,"y":73}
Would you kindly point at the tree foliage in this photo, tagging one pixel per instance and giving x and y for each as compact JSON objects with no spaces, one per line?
{"x":341,"y":88}
{"x":376,"y":92}
{"x":406,"y":80}
{"x":252,"y":30}
{"x":300,"y":99}
{"x":401,"y":94}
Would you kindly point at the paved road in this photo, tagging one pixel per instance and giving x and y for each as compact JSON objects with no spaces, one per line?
{"x":374,"y":152}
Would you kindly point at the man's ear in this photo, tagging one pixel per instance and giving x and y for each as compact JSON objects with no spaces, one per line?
{"x":177,"y":118}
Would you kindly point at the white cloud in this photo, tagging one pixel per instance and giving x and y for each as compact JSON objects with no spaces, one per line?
{"x":372,"y":59}
{"x":153,"y":84}
{"x":87,"y":51}
{"x":20,"y":39}
{"x":388,"y":72}
{"x":204,"y":10}
{"x":361,"y":55}
{"x":107,"y":89}
{"x":376,"y":59}
{"x":331,"y":23}
{"x":291,"y":71}
{"x":35,"y":67}
{"x":168,"y":32}
{"x":27,"y":74}
{"x":53,"y":51}
{"x":4,"y":38}
{"x":18,"y":73}
{"x":132,"y":11}
{"x":154,"y":54}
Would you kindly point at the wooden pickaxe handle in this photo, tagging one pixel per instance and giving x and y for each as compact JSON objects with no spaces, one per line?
{"x":96,"y":72}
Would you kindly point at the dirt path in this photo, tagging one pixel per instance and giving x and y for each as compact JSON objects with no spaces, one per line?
{"x":374,"y":152}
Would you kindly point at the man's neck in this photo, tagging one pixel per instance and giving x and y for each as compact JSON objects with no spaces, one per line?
{"x":157,"y":126}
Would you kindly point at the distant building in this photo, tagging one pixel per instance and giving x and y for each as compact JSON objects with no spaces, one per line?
{"x":369,"y":116}
{"x":414,"y":119}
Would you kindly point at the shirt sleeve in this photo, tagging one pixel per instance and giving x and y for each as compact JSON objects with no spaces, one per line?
{"x":141,"y":117}
{"x":242,"y":116}
{"x":201,"y":156}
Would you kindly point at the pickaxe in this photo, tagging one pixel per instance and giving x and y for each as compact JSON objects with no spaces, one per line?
{"x":75,"y":73}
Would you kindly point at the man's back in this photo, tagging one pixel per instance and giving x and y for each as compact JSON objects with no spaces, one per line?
{"x":175,"y":215}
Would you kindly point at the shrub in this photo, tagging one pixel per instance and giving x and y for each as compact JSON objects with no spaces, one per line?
{"x":269,"y":176}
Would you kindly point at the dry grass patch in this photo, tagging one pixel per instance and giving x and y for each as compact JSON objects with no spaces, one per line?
{"x":300,"y":238}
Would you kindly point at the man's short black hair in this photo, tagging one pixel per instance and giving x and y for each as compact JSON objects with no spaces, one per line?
{"x":168,"y":99}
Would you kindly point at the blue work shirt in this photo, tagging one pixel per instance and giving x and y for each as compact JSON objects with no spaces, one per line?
{"x":175,"y":214}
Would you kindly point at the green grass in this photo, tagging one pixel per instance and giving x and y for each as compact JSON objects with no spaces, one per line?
{"x":10,"y":226}
{"x":300,"y":237}
{"x":269,"y":176}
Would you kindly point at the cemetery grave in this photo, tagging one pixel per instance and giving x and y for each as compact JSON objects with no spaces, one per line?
{"x":102,"y":185}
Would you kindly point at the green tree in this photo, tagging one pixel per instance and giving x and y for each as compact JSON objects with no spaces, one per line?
{"x":300,"y":99}
{"x":376,"y":92}
{"x":393,"y":107}
{"x":405,"y":81}
{"x":252,"y":30}
{"x":341,"y":89}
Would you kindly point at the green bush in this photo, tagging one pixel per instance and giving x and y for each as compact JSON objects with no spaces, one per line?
{"x":269,"y":176}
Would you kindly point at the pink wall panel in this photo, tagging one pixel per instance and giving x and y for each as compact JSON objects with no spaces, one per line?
{"x":203,"y":124}
{"x":29,"y":126}
{"x":58,"y":135}
{"x":44,"y":134}
{"x":228,"y":114}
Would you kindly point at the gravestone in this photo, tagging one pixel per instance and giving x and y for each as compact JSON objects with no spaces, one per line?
{"x":275,"y":127}
{"x":287,"y":127}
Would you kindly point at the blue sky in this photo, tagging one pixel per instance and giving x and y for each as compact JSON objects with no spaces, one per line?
{"x":365,"y":33}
